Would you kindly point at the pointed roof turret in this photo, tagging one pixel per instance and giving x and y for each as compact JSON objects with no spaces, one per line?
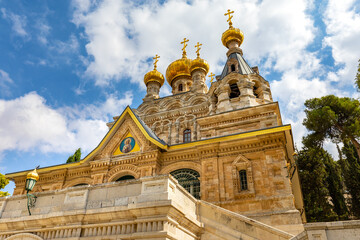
{"x":232,"y":38}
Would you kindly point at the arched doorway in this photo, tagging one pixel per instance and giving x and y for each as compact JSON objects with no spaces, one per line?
{"x":126,"y":177}
{"x":188,"y":179}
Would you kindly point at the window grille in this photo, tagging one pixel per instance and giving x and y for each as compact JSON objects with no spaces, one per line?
{"x":180,"y":87}
{"x":187,"y":135}
{"x":188,"y":179}
{"x":243,"y":180}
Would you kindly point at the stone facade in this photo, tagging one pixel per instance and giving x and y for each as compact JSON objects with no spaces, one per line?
{"x":147,"y":208}
{"x":226,"y":145}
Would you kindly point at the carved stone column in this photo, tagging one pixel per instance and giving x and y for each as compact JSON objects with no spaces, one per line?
{"x":247,"y":97}
{"x":223,"y":99}
{"x":177,"y":126}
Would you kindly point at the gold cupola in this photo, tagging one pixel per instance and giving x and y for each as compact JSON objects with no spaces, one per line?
{"x":232,"y":34}
{"x":180,"y":67}
{"x":199,"y":63}
{"x":154,"y":75}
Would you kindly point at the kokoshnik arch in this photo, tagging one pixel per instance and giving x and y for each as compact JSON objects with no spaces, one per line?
{"x":226,"y":145}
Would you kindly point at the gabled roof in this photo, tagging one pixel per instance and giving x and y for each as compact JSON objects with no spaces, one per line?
{"x":244,"y":68}
{"x":151,"y":136}
{"x":148,"y":133}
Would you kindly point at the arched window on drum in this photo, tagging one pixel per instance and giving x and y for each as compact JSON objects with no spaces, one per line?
{"x":188,"y":179}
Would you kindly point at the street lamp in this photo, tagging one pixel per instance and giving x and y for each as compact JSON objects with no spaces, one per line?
{"x":31,"y":178}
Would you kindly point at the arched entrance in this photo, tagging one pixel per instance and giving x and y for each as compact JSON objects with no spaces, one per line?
{"x":188,"y":179}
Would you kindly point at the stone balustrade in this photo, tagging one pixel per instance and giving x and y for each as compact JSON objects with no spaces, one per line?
{"x":147,"y":208}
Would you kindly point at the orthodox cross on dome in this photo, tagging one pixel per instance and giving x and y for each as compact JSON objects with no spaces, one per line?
{"x":230,"y":17}
{"x":198,"y":46}
{"x":184,"y":47}
{"x":156,"y":60}
{"x":212,"y":77}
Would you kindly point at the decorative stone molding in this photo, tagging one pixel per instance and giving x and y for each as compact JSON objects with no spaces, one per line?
{"x":71,"y":183}
{"x":179,"y":165}
{"x":23,"y":236}
{"x":242,"y":163}
{"x":122,"y":170}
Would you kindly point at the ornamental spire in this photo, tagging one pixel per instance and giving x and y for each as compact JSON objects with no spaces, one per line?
{"x":156,"y":60}
{"x":211,"y":77}
{"x":184,"y":47}
{"x":198,"y":47}
{"x":229,"y":13}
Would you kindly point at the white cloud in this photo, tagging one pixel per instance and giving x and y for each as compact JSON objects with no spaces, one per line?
{"x":43,"y":31}
{"x":27,"y":123}
{"x":5,"y":81}
{"x":18,"y":22}
{"x":123,"y":36}
{"x":342,"y":19}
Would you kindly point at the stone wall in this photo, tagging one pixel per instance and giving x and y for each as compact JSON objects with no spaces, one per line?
{"x":330,"y":231}
{"x":150,"y":208}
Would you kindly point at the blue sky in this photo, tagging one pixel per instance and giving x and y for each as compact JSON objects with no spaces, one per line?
{"x":68,"y":67}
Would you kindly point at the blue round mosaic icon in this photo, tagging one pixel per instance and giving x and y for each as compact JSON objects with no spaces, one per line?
{"x":127,"y":145}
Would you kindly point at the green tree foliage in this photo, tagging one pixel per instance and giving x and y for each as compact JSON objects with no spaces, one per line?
{"x":75,"y":157}
{"x":3,"y":182}
{"x":334,"y":185}
{"x":335,"y":118}
{"x":350,"y":166}
{"x":314,"y":185}
{"x":357,"y":79}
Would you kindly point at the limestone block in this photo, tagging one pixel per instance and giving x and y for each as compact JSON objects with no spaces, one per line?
{"x":76,"y":200}
{"x":121,"y":201}
{"x":2,"y":205}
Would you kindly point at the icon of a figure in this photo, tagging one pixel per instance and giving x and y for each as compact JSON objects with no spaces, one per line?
{"x":127,"y":145}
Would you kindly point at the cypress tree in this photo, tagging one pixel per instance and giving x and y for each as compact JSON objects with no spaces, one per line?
{"x":314,"y":185}
{"x":75,"y":157}
{"x":350,"y":166}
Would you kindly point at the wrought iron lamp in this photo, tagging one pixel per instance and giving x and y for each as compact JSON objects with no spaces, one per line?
{"x":31,"y":179}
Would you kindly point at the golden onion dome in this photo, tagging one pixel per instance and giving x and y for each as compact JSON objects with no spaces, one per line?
{"x":199,"y":63}
{"x":154,"y":76}
{"x":180,"y":67}
{"x":33,"y":175}
{"x":232,"y":34}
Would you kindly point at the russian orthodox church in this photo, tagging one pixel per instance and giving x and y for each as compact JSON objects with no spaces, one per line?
{"x":202,"y":163}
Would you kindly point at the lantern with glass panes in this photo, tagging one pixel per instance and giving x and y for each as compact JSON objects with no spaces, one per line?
{"x":31,"y":179}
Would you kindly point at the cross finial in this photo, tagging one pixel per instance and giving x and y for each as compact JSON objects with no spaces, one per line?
{"x":230,"y":17}
{"x":198,"y":46}
{"x":156,"y":60}
{"x":184,"y":47}
{"x":212,"y":77}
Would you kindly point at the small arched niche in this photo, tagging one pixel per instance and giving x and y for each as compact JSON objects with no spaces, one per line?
{"x":256,"y":89}
{"x":234,"y":89}
{"x":124,"y":178}
{"x":81,"y":184}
